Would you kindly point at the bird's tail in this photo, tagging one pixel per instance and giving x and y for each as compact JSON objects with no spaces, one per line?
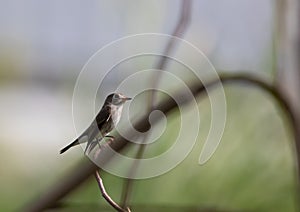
{"x":74,"y":143}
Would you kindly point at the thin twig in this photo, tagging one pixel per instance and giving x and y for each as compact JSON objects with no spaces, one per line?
{"x":288,"y":50}
{"x":84,"y":170}
{"x":288,"y":54}
{"x":179,"y":30}
{"x":105,"y":194}
{"x":127,"y":186}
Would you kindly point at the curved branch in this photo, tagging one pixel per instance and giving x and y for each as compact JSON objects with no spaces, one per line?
{"x":282,"y":99}
{"x":277,"y":94}
{"x":179,"y":30}
{"x":106,"y":196}
{"x":84,"y":170}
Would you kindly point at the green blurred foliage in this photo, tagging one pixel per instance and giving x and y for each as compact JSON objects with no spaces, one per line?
{"x":252,"y":169}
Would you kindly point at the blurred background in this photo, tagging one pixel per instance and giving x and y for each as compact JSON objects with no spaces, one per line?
{"x":45,"y":44}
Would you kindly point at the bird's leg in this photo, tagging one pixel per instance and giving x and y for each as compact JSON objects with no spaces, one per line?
{"x":92,"y":145}
{"x":98,"y":142}
{"x":110,"y":139}
{"x":110,"y":136}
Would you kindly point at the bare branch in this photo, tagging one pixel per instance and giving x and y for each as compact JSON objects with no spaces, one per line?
{"x":106,"y":196}
{"x":288,"y":49}
{"x":179,"y":30}
{"x":127,"y":187}
{"x":288,"y":54}
{"x":84,"y":170}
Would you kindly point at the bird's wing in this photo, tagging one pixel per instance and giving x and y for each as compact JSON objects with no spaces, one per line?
{"x":95,"y":127}
{"x":88,"y":132}
{"x":103,"y":115}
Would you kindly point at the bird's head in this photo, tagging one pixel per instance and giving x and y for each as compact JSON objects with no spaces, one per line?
{"x":116,"y":99}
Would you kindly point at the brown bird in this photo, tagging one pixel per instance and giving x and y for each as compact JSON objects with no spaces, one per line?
{"x":105,"y":121}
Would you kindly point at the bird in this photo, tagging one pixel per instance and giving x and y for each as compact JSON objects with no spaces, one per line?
{"x":105,"y":121}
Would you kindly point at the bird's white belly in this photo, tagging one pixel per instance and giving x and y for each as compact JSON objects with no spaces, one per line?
{"x":116,"y":113}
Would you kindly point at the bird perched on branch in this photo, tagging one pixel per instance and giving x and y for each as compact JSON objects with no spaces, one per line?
{"x":105,"y":121}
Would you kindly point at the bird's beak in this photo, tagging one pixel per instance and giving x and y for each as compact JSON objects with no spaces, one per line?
{"x":127,"y":98}
{"x":124,"y":98}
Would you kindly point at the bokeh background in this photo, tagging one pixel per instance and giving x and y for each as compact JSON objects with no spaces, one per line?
{"x":45,"y":44}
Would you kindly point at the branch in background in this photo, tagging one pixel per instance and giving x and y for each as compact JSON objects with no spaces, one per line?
{"x":106,"y":196}
{"x":84,"y":170}
{"x":288,"y":49}
{"x":288,"y":54}
{"x":179,"y":30}
{"x":284,"y":102}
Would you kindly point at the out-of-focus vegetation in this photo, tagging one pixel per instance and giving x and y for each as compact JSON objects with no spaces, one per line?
{"x":253,"y":169}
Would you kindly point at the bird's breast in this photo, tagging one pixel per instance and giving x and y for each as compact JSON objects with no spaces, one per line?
{"x":116,"y":112}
